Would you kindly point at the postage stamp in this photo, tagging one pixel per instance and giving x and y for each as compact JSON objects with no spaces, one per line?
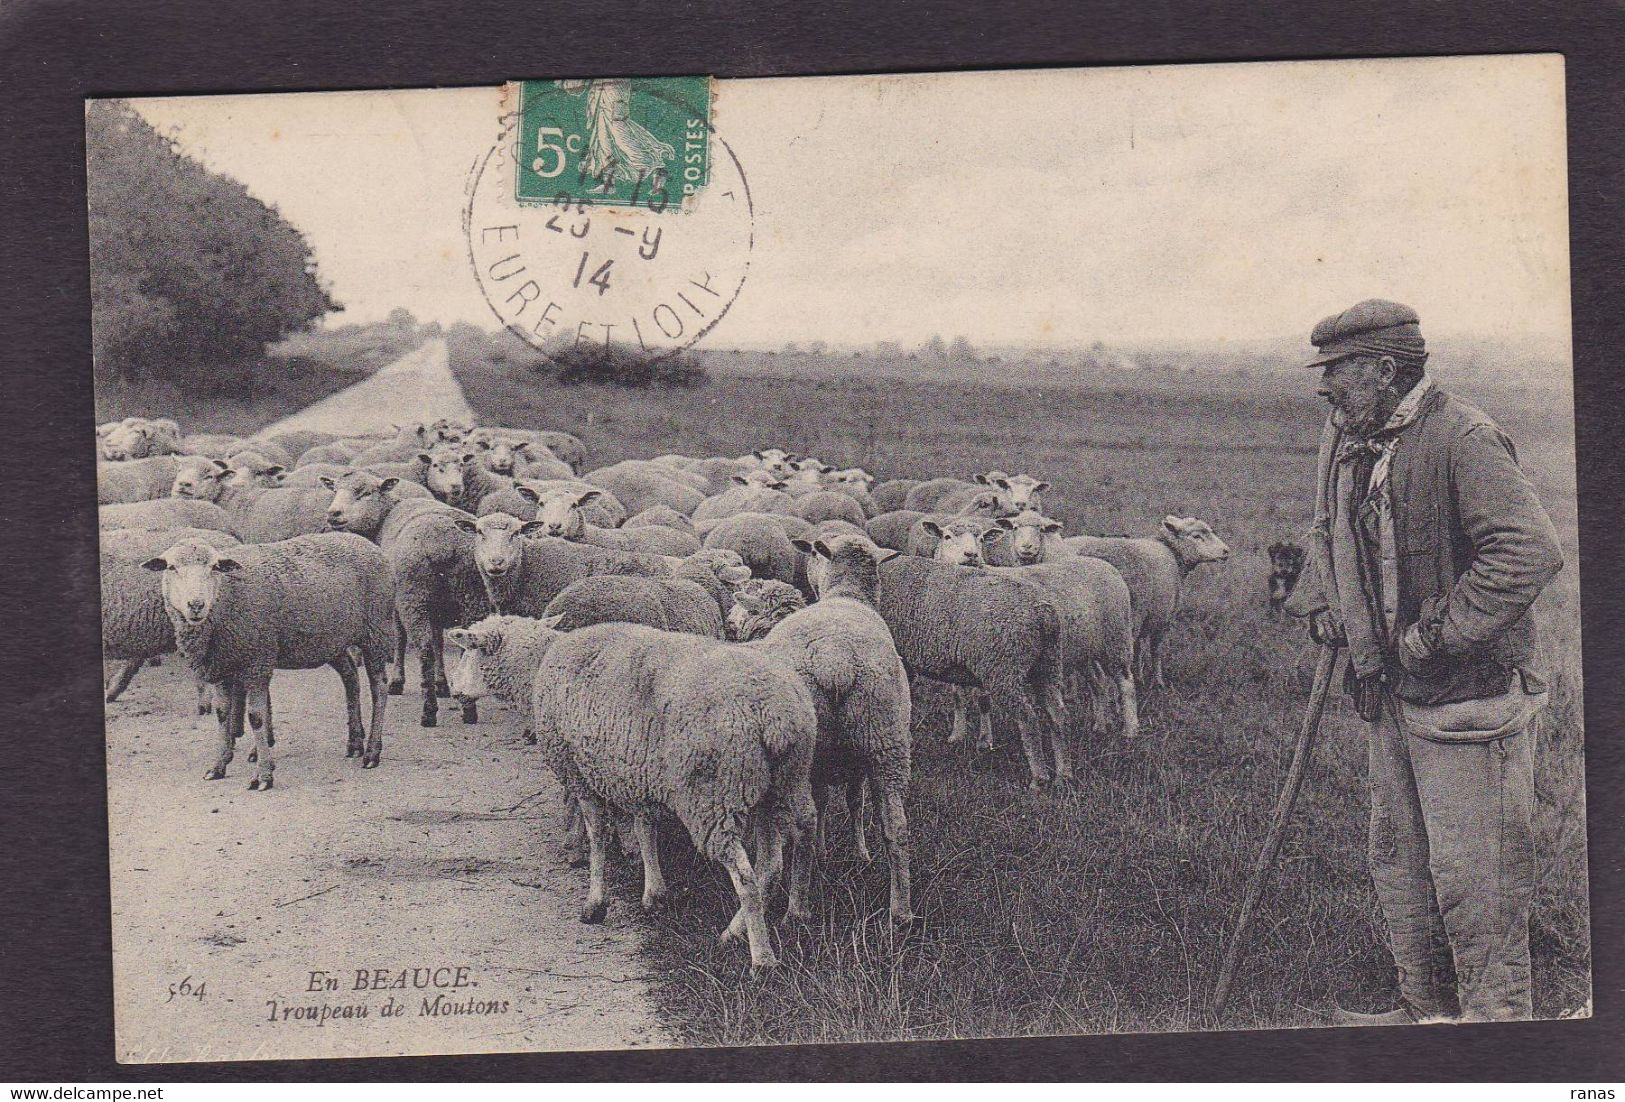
{"x":616,"y":141}
{"x":623,"y":219}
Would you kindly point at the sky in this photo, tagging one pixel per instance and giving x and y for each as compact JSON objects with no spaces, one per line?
{"x":1200,"y":203}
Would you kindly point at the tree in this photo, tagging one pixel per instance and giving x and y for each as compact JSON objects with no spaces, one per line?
{"x":961,"y":351}
{"x":189,"y":272}
{"x":934,"y":349}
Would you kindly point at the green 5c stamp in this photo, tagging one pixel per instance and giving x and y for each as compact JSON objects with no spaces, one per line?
{"x":619,"y":141}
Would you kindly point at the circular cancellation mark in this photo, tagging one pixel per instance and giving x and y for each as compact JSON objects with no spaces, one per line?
{"x":627,"y":260}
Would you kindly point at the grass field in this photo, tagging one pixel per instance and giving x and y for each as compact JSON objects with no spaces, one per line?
{"x":1106,"y":908}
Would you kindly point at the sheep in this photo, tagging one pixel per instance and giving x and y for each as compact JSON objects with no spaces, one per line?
{"x":565,"y":447}
{"x":719,"y":473}
{"x":135,"y":627}
{"x":890,"y":529}
{"x":1096,"y":620}
{"x":310,"y":475}
{"x":522,"y":575}
{"x":258,"y":514}
{"x":761,"y":543}
{"x":751,"y":493}
{"x":605,"y":511}
{"x":643,"y":485}
{"x":722,"y":572}
{"x":560,"y":512}
{"x":215,"y":445}
{"x":123,"y":481}
{"x":794,"y":527}
{"x":984,"y":504}
{"x":407,"y":442}
{"x":295,"y":604}
{"x":759,"y":605}
{"x":294,"y":442}
{"x":925,"y":497}
{"x":854,"y":482}
{"x":1030,"y":537}
{"x":252,"y":467}
{"x":824,"y":505}
{"x":1021,"y":492}
{"x":167,"y":512}
{"x":889,"y":496}
{"x":973,"y":628}
{"x":829,"y":529}
{"x":775,"y":461}
{"x":662,"y":515}
{"x":1155,"y":569}
{"x":341,"y":451}
{"x":437,"y":584}
{"x":515,"y":457}
{"x":844,"y":653}
{"x":454,"y":475}
{"x":719,"y":736}
{"x":678,"y":603}
{"x":140,"y":438}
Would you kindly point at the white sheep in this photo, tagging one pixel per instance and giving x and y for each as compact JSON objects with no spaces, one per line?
{"x":166,"y":512}
{"x":683,"y":602}
{"x":562,"y":513}
{"x":1155,"y":569}
{"x":123,"y":481}
{"x":641,"y":486}
{"x":521,"y":575}
{"x":454,"y":474}
{"x":664,"y":516}
{"x":720,"y":736}
{"x":760,"y":542}
{"x":889,"y":496}
{"x":1029,"y":537}
{"x":752,"y":492}
{"x":139,"y":438}
{"x":295,"y":604}
{"x":822,"y":505}
{"x":606,"y":511}
{"x":259,"y":514}
{"x":135,"y":627}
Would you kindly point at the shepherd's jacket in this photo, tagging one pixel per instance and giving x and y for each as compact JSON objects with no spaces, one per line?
{"x":1474,"y":547}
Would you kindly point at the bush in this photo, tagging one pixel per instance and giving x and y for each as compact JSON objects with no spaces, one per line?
{"x":619,"y":365}
{"x":189,"y":272}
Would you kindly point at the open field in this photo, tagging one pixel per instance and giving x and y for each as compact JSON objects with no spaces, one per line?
{"x":1107,"y":908}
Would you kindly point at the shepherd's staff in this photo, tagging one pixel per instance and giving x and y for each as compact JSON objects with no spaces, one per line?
{"x":1283,"y":812}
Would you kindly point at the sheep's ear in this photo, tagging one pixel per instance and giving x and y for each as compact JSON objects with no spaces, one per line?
{"x":1001,"y":483}
{"x":463,"y":638}
{"x":1040,"y":487}
{"x":522,"y":447}
{"x":227,"y":566}
{"x":388,"y":484}
{"x":1172,"y":524}
{"x":552,"y":622}
{"x":469,"y":457}
{"x":804,"y":546}
{"x":758,"y":454}
{"x":531,"y":527}
{"x":326,"y":481}
{"x":932,"y":527}
{"x":823,"y":549}
{"x":776,"y":484}
{"x":528,"y":494}
{"x":465,"y":524}
{"x":275,"y":469}
{"x":1052,"y":525}
{"x":992,"y":533}
{"x":157,"y":563}
{"x":222,"y":464}
{"x":587,"y":497}
{"x":887,"y":555}
{"x":741,"y":479}
{"x":425,"y":457}
{"x":736,"y":575}
{"x":1005,"y":523}
{"x":981,"y":480}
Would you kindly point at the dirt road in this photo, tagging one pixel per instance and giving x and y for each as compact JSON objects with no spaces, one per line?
{"x":438,"y":880}
{"x":417,"y":387}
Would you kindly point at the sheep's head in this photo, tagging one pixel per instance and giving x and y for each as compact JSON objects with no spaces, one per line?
{"x":724,"y":563}
{"x":1193,"y":541}
{"x":1029,"y":532}
{"x":499,"y":541}
{"x":758,"y":605}
{"x":446,"y":467}
{"x":851,"y":476}
{"x":846,"y":558}
{"x":137,"y":438}
{"x":1286,"y":566}
{"x":200,"y":478}
{"x":762,"y":479}
{"x":361,"y":501}
{"x":193,"y":574}
{"x":559,"y":512}
{"x":447,"y":430}
{"x":960,"y":541}
{"x":250,"y":468}
{"x":773,"y":460}
{"x":809,"y":471}
{"x":499,"y":453}
{"x":986,"y":503}
{"x":1022,"y":492}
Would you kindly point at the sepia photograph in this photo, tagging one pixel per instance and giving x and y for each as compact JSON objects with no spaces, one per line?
{"x":670,"y":562}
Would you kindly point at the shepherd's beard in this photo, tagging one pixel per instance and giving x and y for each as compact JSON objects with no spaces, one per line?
{"x":1369,"y":422}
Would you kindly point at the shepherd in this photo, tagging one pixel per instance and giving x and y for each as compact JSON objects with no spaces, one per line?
{"x":1430,"y":545}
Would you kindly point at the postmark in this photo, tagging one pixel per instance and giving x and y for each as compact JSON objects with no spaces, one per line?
{"x":609,"y":213}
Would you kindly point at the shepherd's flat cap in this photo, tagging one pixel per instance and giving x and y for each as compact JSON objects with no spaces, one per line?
{"x":1342,"y":334}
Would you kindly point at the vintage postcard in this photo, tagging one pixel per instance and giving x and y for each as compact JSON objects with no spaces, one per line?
{"x":633,"y":562}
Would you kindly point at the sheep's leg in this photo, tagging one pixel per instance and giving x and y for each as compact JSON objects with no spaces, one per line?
{"x":374,"y":749}
{"x":122,"y":679}
{"x":1156,"y":662}
{"x":984,"y":706}
{"x":229,"y":711}
{"x":1130,"y":704}
{"x":397,"y":678}
{"x":894,"y":825}
{"x":470,"y":708}
{"x":854,"y":812}
{"x":654,"y":882}
{"x":748,"y":888}
{"x":356,"y":731}
{"x":803,"y":822}
{"x":426,"y":666}
{"x":442,"y":688}
{"x":205,"y":697}
{"x":956,"y":733}
{"x":575,"y":834}
{"x":593,"y":819}
{"x":258,"y":701}
{"x":1017,"y":704}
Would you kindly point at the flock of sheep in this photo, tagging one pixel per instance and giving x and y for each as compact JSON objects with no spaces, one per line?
{"x":728,"y":642}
